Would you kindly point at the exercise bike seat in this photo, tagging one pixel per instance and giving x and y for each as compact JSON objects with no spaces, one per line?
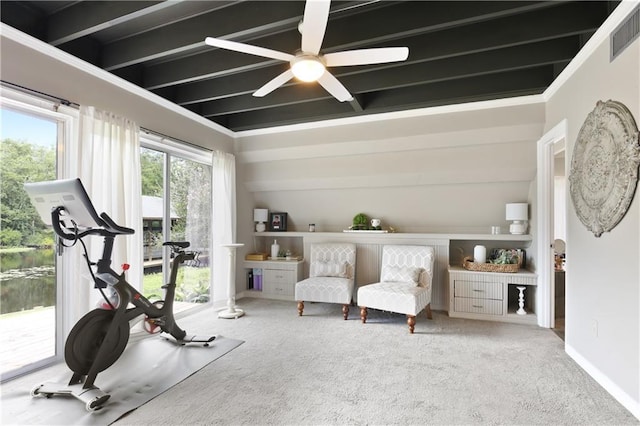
{"x":181,"y":244}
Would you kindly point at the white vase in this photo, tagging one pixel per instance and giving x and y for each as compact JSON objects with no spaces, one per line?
{"x":275,"y":249}
{"x":480,"y":254}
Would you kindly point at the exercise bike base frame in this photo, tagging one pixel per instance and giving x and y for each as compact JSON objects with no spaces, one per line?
{"x":93,"y":397}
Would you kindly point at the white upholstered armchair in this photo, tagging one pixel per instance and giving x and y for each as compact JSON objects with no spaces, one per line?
{"x":405,"y":283}
{"x":331,"y":276}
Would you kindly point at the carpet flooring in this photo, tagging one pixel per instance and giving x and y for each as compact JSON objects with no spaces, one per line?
{"x":321,"y":370}
{"x":148,"y":367}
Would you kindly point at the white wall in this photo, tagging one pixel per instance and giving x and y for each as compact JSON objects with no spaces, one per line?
{"x":440,"y":172}
{"x":603,"y":274}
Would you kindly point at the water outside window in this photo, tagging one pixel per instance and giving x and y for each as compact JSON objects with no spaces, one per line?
{"x":28,"y":285}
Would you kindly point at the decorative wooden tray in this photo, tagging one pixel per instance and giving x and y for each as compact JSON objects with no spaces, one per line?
{"x":290,"y":258}
{"x":256,"y":256}
{"x":469,"y":264}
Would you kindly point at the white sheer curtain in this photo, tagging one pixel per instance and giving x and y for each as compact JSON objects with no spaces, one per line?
{"x":223,"y":221}
{"x":107,"y":160}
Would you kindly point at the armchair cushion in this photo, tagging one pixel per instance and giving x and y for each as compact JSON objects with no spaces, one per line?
{"x":325,"y":289}
{"x":402,"y":274}
{"x":400,"y":297}
{"x":329,"y":268}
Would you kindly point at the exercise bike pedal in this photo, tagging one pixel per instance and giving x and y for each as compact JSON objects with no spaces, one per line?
{"x":197,"y":339}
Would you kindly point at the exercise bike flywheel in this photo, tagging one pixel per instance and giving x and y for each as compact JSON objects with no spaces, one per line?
{"x":86,"y":338}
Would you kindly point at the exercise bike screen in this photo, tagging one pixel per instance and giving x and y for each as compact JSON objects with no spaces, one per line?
{"x":68,"y":193}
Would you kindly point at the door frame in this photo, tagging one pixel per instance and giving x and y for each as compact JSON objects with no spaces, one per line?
{"x":65,"y":117}
{"x":545,"y":215}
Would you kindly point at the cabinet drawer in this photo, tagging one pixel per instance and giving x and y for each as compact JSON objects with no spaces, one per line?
{"x":279,"y":276}
{"x":279,"y":289}
{"x":478,"y":290}
{"x":478,"y":306}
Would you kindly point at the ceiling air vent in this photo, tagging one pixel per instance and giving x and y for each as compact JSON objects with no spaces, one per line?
{"x":625,"y":34}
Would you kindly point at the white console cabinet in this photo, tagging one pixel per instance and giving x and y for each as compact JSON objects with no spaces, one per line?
{"x":279,"y":278}
{"x":491,"y":295}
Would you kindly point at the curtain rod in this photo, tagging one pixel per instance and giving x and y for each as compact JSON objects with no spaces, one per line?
{"x":46,"y":96}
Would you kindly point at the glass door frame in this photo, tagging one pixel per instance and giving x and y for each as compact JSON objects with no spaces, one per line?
{"x":66,"y":118}
{"x":182,"y":150}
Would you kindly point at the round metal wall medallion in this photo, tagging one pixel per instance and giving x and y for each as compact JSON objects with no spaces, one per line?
{"x":604,"y":166}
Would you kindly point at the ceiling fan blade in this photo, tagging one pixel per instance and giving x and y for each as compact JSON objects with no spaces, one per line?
{"x":274,"y":84}
{"x":333,"y":86}
{"x":314,"y":23}
{"x":247,"y":48}
{"x":366,"y":56}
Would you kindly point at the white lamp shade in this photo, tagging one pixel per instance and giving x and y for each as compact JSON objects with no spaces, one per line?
{"x":260,"y":215}
{"x":517,"y":211}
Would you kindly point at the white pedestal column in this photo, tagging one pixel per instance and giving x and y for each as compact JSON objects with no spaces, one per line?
{"x":521,"y":310}
{"x":231,"y":311}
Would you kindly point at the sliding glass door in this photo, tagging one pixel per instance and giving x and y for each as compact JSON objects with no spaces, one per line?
{"x":176,"y":190}
{"x":29,"y":273}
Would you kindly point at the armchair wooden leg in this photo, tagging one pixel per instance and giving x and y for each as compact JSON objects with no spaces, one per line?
{"x":363,"y":314}
{"x":428,"y":309}
{"x":345,"y":311}
{"x":300,"y":307}
{"x":411,"y":320}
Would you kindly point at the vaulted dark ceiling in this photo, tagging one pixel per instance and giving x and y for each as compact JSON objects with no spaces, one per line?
{"x":458,"y":51}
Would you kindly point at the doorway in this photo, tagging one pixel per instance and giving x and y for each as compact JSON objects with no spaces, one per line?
{"x":559,"y":235}
{"x":552,"y":143}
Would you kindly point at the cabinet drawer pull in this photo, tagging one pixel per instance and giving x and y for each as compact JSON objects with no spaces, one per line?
{"x":478,"y":306}
{"x":479,"y":291}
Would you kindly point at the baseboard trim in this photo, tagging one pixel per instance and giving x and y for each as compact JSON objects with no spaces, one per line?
{"x":621,"y":396}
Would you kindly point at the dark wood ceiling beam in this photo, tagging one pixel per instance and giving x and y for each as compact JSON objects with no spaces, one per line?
{"x":486,"y":87}
{"x":239,"y":21}
{"x":23,"y":16}
{"x":325,"y":109}
{"x":495,"y":61}
{"x":243,"y":22}
{"x":567,"y":19}
{"x":461,"y":41}
{"x":491,"y":86}
{"x":349,"y":15}
{"x":415,"y":18}
{"x":87,"y":17}
{"x":450,"y":69}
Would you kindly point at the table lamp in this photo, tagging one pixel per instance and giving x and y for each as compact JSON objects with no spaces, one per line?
{"x":519,"y":214}
{"x":260,"y":216}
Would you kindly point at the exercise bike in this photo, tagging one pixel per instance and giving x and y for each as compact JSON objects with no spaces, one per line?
{"x":99,"y":338}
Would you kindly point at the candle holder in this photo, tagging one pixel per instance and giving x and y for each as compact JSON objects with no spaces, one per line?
{"x":521,"y":310}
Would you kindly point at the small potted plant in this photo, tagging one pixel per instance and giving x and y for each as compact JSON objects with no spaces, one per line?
{"x":360,"y":222}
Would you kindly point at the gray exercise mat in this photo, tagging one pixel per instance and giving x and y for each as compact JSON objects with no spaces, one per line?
{"x":145,"y":370}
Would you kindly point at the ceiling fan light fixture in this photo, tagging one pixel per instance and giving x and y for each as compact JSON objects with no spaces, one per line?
{"x":307,"y":68}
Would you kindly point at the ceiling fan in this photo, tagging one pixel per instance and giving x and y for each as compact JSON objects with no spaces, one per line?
{"x":308,"y":64}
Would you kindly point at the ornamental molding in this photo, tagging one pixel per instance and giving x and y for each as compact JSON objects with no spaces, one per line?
{"x":604,"y":166}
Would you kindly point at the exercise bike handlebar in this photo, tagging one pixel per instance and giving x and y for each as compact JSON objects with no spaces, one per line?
{"x":108,"y":227}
